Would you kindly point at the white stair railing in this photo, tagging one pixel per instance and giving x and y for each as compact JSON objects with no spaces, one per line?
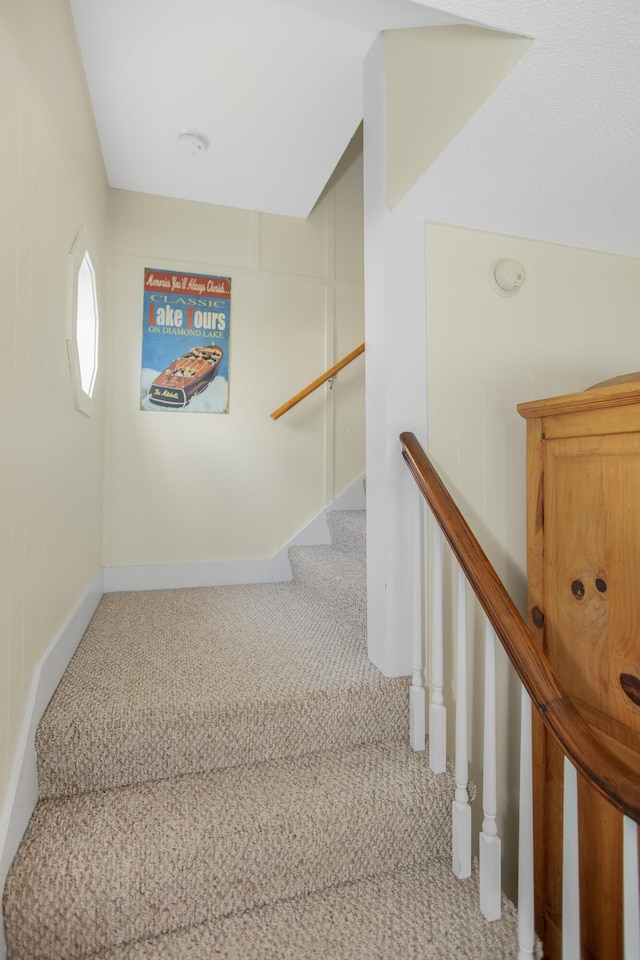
{"x":489,"y":841}
{"x":460,"y":809}
{"x":417,"y":693}
{"x":490,"y":847}
{"x":631,"y":889}
{"x":526,"y":927}
{"x":437,"y":709}
{"x":570,"y":868}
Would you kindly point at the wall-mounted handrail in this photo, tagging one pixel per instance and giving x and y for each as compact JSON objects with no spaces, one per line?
{"x":331,"y":372}
{"x":615,"y":780}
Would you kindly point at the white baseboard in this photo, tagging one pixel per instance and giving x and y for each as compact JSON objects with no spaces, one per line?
{"x":22,"y":790}
{"x":216,"y":573}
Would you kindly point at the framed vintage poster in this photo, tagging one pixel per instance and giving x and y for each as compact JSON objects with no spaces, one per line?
{"x":185,"y":342}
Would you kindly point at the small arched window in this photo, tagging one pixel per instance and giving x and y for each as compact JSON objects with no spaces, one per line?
{"x":82,"y":339}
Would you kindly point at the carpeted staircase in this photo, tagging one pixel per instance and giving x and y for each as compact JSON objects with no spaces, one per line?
{"x":224,"y":774}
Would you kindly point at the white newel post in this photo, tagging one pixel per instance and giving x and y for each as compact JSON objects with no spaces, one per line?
{"x":526,"y":934}
{"x":461,"y":811}
{"x":490,"y":864}
{"x":437,"y":709}
{"x":631,"y":890}
{"x":417,"y":694}
{"x":570,"y":867}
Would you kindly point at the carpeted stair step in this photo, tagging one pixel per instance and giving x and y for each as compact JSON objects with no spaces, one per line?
{"x":337,"y":579}
{"x":422,"y":913}
{"x":348,"y":529}
{"x":178,"y":682}
{"x":102,"y":869}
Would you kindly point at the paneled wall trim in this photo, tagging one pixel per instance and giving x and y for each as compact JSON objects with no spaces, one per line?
{"x":52,"y":182}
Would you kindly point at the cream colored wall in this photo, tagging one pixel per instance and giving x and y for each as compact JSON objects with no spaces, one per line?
{"x":197,"y":487}
{"x":437,"y":78}
{"x":52,"y":182}
{"x":574,"y":323}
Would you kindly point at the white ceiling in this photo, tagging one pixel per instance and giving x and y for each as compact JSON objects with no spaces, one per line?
{"x":276,"y":87}
{"x":554,"y":154}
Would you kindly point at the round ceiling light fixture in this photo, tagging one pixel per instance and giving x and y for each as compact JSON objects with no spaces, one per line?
{"x":192,"y":144}
{"x":506,"y":277}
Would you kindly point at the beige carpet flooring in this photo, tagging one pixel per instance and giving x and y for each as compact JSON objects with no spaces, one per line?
{"x":224,"y":773}
{"x":417,"y":914}
{"x":169,"y":683}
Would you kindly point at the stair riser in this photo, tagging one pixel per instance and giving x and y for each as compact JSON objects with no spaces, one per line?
{"x":422,"y":914}
{"x":108,"y":757}
{"x":174,"y":862}
{"x":208,"y":887}
{"x":338,"y":581}
{"x":348,"y":532}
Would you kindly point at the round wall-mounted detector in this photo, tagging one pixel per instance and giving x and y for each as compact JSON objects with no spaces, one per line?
{"x":192,"y":144}
{"x":506,"y":276}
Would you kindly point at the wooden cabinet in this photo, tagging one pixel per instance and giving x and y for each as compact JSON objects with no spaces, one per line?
{"x":583,"y":556}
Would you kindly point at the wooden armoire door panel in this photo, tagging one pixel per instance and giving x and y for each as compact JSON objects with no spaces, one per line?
{"x":592,"y":576}
{"x":583,"y":557}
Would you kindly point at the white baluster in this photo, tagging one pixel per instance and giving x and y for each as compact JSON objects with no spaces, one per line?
{"x":490,"y":866}
{"x":526,"y":935}
{"x":437,"y":709}
{"x":631,"y":890}
{"x":417,"y":693}
{"x":570,"y":866}
{"x":461,"y":811}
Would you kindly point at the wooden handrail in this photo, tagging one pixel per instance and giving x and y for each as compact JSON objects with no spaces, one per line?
{"x":331,"y":372}
{"x":615,"y":780}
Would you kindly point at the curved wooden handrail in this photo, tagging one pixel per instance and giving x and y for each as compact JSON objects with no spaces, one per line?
{"x":331,"y":372}
{"x":615,"y":780}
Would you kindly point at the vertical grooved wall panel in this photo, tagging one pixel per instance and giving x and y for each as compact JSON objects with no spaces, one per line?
{"x":52,"y":182}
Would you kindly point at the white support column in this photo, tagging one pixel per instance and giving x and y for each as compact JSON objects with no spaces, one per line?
{"x":490,"y":852}
{"x":570,"y":866}
{"x":437,"y":709}
{"x":460,"y":809}
{"x":631,"y":890}
{"x":417,"y":694}
{"x":526,"y":934}
{"x":396,"y":376}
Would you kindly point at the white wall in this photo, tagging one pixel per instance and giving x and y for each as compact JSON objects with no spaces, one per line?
{"x":185,"y":487}
{"x":573,"y":323}
{"x":52,"y":182}
{"x":420,"y":87}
